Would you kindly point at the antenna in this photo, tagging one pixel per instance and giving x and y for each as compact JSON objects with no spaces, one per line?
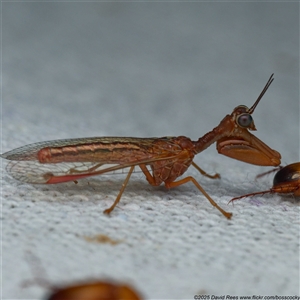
{"x":251,"y":110}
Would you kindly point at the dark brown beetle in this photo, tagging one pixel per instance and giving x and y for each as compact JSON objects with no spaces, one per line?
{"x":286,"y":181}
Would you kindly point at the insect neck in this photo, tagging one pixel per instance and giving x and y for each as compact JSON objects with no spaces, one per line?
{"x":223,"y":129}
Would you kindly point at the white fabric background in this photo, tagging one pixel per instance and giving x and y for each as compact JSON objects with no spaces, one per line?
{"x":150,"y":69}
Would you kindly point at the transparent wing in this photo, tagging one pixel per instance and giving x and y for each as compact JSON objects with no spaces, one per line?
{"x":30,"y":152}
{"x":35,"y":172}
{"x":25,"y":165}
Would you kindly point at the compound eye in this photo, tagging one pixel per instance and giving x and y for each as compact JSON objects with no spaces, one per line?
{"x":244,"y":120}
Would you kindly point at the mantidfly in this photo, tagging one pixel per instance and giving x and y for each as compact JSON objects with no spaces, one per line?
{"x":168,"y":157}
{"x":286,"y":181}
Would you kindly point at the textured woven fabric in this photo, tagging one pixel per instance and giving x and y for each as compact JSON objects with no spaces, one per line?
{"x":150,"y":69}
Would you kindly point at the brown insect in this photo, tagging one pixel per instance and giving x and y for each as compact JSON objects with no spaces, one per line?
{"x":167,"y":157}
{"x":95,"y":291}
{"x":286,"y":181}
{"x":87,"y":290}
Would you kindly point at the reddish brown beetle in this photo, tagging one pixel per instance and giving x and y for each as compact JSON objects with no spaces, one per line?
{"x":286,"y":181}
{"x":85,"y":290}
{"x":95,"y":291}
